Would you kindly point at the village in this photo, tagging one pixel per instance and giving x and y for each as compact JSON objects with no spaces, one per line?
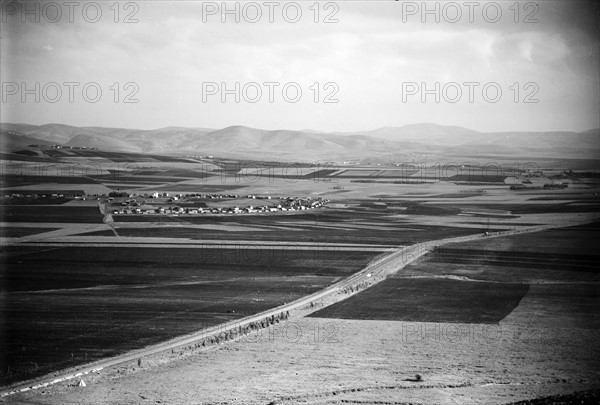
{"x":163,"y":203}
{"x":193,"y":204}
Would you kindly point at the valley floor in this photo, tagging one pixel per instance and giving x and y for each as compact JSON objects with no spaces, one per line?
{"x":547,"y":345}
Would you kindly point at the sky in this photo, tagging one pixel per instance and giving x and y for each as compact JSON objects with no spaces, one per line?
{"x":331,"y":66}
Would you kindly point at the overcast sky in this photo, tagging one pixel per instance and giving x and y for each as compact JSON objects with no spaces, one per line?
{"x":375,"y":58}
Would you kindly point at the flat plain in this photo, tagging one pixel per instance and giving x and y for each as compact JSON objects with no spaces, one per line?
{"x":546,"y":345}
{"x":478,"y":321}
{"x":67,"y":306}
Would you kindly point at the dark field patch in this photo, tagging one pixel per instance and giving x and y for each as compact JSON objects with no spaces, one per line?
{"x":199,"y":188}
{"x":126,"y":177}
{"x":33,"y":268}
{"x":516,"y":273}
{"x":59,"y":214}
{"x":150,"y":177}
{"x":295,"y":233}
{"x":516,"y":258}
{"x":125,"y":186}
{"x":14,"y":232}
{"x":430,"y":300}
{"x":416,"y":208}
{"x":176,"y":173}
{"x":114,"y":156}
{"x":586,"y":197}
{"x":193,"y":202}
{"x":476,"y":178}
{"x":67,"y":306}
{"x":23,"y":158}
{"x":456,"y":195}
{"x":26,"y":152}
{"x":292,"y":173}
{"x":98,"y":233}
{"x":520,"y":209}
{"x":556,"y":270}
{"x":28,"y":201}
{"x":499,"y":223}
{"x":14,"y":180}
{"x":378,"y":173}
{"x":575,"y":240}
{"x":318,"y":174}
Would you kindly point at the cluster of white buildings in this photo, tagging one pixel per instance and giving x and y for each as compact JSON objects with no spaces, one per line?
{"x":289,"y":204}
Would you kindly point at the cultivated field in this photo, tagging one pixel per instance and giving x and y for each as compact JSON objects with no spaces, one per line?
{"x":544,"y":346}
{"x":430,"y":300}
{"x":67,"y":306}
{"x":79,"y":284}
{"x":483,"y":281}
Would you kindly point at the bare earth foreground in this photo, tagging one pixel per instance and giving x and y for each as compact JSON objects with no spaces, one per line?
{"x":548,"y":345}
{"x":359,"y":362}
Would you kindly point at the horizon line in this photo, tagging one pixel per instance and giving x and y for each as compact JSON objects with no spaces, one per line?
{"x":310,"y":130}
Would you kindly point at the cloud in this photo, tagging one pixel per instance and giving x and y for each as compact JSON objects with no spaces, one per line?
{"x":369,"y":53}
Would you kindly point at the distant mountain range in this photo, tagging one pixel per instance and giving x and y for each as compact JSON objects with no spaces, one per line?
{"x":383,"y":144}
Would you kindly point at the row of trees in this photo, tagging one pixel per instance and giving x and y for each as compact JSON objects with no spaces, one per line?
{"x":239,"y":331}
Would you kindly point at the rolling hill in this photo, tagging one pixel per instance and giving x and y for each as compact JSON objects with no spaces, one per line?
{"x":388,"y":143}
